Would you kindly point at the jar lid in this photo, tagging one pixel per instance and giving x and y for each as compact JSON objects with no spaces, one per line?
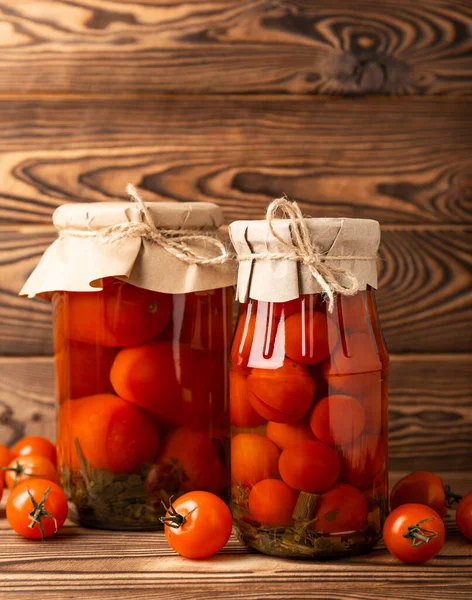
{"x":168,"y":247}
{"x":281,"y":259}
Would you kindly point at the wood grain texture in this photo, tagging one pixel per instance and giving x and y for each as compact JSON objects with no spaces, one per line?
{"x":106,"y":565}
{"x":294,"y":46}
{"x":401,"y":161}
{"x":430,"y":412}
{"x":430,"y":408}
{"x":424,"y":298}
{"x":27,"y":403}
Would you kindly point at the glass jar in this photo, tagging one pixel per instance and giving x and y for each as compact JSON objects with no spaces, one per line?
{"x":143,"y":416}
{"x":308,"y":409}
{"x":143,"y":305}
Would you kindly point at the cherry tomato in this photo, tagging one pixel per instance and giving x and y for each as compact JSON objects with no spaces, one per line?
{"x":197,"y":525}
{"x":357,"y":353}
{"x":414,"y":533}
{"x":309,"y":466}
{"x":253,"y":458}
{"x":353,"y":312}
{"x":177,"y":384}
{"x":36,"y":508}
{"x":259,"y":339}
{"x":420,"y":487}
{"x":271,"y":503}
{"x":337,"y":420}
{"x":243,"y":337}
{"x":120,"y":315}
{"x":362,"y":461}
{"x":6,"y":456}
{"x":342,"y":509}
{"x":35,"y":445}
{"x":202,"y":319}
{"x":367,"y":388}
{"x":464,"y":516}
{"x":241,"y":412}
{"x":283,"y":310}
{"x":190,"y":455}
{"x":83,"y":369}
{"x":282,"y":395}
{"x":26,"y":467}
{"x":309,"y":336}
{"x":110,"y":432}
{"x":284,"y":434}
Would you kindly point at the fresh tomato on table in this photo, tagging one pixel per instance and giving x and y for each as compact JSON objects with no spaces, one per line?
{"x":36,"y":445}
{"x":36,"y":508}
{"x":464,"y":516}
{"x":26,"y":467}
{"x":197,"y":525}
{"x":414,"y":533}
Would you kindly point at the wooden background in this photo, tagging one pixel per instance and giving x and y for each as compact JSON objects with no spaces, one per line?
{"x":353,"y":108}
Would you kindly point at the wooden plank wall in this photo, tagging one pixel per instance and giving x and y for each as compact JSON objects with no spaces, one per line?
{"x":353,"y":108}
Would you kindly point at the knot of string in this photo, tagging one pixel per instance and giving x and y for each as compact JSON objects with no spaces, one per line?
{"x":182,"y":243}
{"x":331,"y":278}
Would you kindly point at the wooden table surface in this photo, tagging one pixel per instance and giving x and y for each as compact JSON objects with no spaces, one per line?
{"x":93,"y":564}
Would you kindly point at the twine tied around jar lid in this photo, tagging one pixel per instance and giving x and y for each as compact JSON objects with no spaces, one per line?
{"x":331,"y":278}
{"x":174,"y":241}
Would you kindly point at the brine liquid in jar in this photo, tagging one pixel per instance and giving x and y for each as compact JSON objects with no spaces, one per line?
{"x":308,"y":409}
{"x":141,"y":381}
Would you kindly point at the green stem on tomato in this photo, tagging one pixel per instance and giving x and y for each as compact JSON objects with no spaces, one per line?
{"x":451,"y":497}
{"x":175,"y":519}
{"x":39,"y":512}
{"x":419,"y":535}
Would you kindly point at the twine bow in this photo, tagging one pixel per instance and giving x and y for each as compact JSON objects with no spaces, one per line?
{"x":331,"y":278}
{"x":174,"y":241}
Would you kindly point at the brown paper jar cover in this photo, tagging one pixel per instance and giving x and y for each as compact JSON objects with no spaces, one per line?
{"x":79,"y":259}
{"x":282,"y":280}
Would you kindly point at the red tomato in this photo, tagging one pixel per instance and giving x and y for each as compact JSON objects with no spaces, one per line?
{"x":259,"y":339}
{"x":203,"y":320}
{"x":283,"y":310}
{"x":340,"y":510}
{"x":357,"y":353}
{"x":464,"y":516}
{"x":353,"y":312}
{"x":198,"y":525}
{"x":83,"y":370}
{"x":309,"y":466}
{"x":284,"y":434}
{"x":112,"y":434}
{"x":362,"y":461}
{"x":26,"y":467}
{"x":420,"y":487}
{"x":337,"y":420}
{"x":282,"y":395}
{"x":120,"y":315}
{"x":35,"y":445}
{"x":367,"y":388}
{"x":36,"y":508}
{"x":414,"y":533}
{"x":6,"y":456}
{"x":179,"y":385}
{"x":271,"y":503}
{"x":253,"y":458}
{"x":310,"y":336}
{"x":243,"y":337}
{"x":242,"y":414}
{"x":192,"y":456}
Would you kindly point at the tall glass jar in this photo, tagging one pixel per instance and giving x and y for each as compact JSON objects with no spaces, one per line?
{"x":308,"y":407}
{"x":141,"y":368}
